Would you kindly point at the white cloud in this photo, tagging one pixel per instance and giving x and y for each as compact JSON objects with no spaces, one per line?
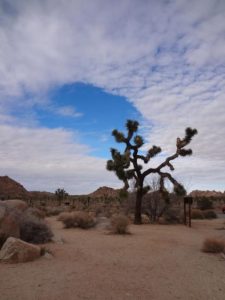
{"x":47,"y":159}
{"x":67,"y":111}
{"x":166,"y":57}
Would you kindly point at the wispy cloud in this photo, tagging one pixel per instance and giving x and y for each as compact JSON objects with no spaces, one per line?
{"x":68,"y":111}
{"x":166,"y":57}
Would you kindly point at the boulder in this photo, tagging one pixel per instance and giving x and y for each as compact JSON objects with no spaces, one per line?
{"x":9,"y":221}
{"x":15,"y":204}
{"x":17,"y":251}
{"x":9,"y":226}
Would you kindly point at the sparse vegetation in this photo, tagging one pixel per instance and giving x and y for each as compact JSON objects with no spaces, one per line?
{"x":78,"y":219}
{"x":127,"y":165}
{"x":119,"y":224}
{"x":213,"y":245}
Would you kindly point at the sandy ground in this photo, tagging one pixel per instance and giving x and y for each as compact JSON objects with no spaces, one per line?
{"x":155,"y":262}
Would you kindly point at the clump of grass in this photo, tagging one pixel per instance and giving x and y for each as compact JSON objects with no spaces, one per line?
{"x":213,"y":245}
{"x":78,"y":219}
{"x":119,"y":224}
{"x":34,"y":230}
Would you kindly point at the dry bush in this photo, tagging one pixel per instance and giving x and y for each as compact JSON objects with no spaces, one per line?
{"x":197,"y":214}
{"x":34,"y":230}
{"x":209,"y":214}
{"x":213,"y":245}
{"x":119,"y":224}
{"x":53,"y":211}
{"x":172,"y":216}
{"x":63,"y":215}
{"x":25,"y":225}
{"x":78,"y":219}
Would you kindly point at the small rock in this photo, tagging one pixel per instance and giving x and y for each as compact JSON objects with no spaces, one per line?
{"x":48,"y":255}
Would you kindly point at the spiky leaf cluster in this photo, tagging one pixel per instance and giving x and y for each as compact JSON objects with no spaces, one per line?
{"x":119,"y":136}
{"x":132,"y":126}
{"x":119,"y":164}
{"x":138,"y":141}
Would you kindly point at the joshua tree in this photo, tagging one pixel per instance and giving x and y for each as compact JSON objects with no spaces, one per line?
{"x":126,"y":165}
{"x":60,"y":194}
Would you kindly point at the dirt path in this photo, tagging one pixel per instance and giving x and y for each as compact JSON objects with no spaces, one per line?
{"x":155,"y":262}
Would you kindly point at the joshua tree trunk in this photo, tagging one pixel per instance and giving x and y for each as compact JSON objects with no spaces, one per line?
{"x":139,"y":196}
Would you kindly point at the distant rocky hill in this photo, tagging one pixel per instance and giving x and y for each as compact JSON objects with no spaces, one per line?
{"x":105,"y":192}
{"x":10,"y":189}
{"x":197,"y":193}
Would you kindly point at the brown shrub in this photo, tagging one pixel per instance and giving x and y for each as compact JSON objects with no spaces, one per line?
{"x":119,"y":224}
{"x":34,"y":230}
{"x":197,"y":214}
{"x":78,"y":219}
{"x":172,"y":216}
{"x":213,"y":245}
{"x":53,"y":211}
{"x":24,"y":225}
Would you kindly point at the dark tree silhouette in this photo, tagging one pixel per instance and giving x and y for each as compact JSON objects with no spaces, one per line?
{"x":61,"y":194}
{"x":127,"y":165}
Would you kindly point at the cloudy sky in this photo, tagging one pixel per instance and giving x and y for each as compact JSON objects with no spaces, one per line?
{"x":71,"y":71}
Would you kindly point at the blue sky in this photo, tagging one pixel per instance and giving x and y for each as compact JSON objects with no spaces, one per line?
{"x":91,"y":111}
{"x":71,"y":71}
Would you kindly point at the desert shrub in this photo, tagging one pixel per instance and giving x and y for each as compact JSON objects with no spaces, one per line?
{"x":78,"y":219}
{"x":172,"y":216}
{"x":119,"y":224}
{"x":34,"y":230}
{"x":53,"y":211}
{"x":197,"y":214}
{"x":204,"y":203}
{"x":213,"y":245}
{"x":209,"y":214}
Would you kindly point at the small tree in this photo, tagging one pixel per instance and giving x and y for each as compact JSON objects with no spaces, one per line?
{"x":61,"y":194}
{"x":126,"y":165}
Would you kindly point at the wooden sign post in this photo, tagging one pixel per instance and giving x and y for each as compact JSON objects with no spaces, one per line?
{"x":187,"y":201}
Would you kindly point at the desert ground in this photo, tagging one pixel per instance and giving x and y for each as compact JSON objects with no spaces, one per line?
{"x":154,"y":262}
